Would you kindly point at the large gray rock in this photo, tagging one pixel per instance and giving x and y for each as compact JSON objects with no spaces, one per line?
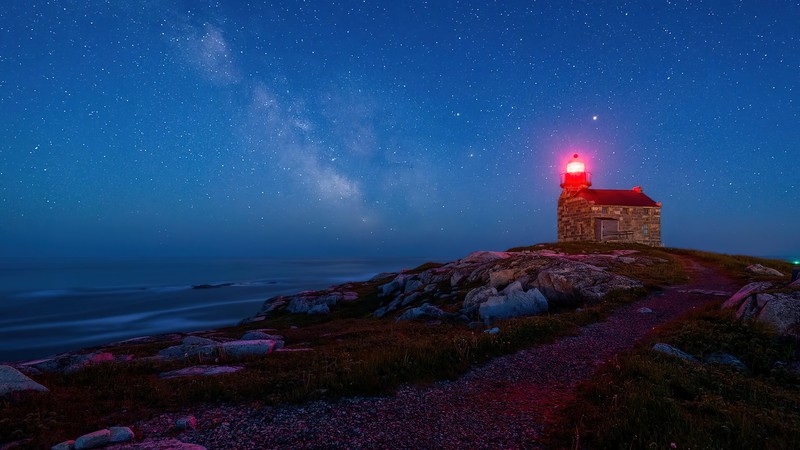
{"x":475,"y":297}
{"x":782,"y":311}
{"x":725,"y":359}
{"x":516,"y":303}
{"x":501,"y":278}
{"x":747,"y":290}
{"x":191,"y":347}
{"x":247,"y":349}
{"x":66,"y":445}
{"x":12,"y":380}
{"x":396,"y":285}
{"x":670,"y":350}
{"x":424,"y":312}
{"x":121,"y":434}
{"x":758,"y":269}
{"x":573,"y":283}
{"x":310,"y":304}
{"x":96,"y":439}
{"x":256,"y":335}
{"x":484,"y":257}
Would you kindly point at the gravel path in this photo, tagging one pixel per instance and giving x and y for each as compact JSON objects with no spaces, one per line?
{"x":503,"y":404}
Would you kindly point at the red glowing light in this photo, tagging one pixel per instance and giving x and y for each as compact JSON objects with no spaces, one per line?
{"x":576,"y":166}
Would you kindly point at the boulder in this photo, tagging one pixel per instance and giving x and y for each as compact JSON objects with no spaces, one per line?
{"x":121,"y":434}
{"x":725,"y":359}
{"x":516,"y":303}
{"x":484,"y":257}
{"x":736,"y":299}
{"x":782,"y":311}
{"x":319,"y":309}
{"x":396,"y":285}
{"x":758,"y":269}
{"x":500,"y":278}
{"x":95,"y":439}
{"x":573,"y":283}
{"x":12,"y":380}
{"x":424,"y":312}
{"x":66,"y":445}
{"x":412,"y":285}
{"x":246,"y":349}
{"x":493,"y":330}
{"x":477,"y":296}
{"x":645,"y":310}
{"x":186,"y":423}
{"x":191,"y":347}
{"x":670,"y":350}
{"x":195,"y":371}
{"x":257,"y":335}
{"x":308,"y":304}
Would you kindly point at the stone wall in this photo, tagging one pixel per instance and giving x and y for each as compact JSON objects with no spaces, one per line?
{"x":577,"y":220}
{"x":574,"y":218}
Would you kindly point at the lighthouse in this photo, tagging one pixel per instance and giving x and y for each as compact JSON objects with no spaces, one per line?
{"x":604,"y":215}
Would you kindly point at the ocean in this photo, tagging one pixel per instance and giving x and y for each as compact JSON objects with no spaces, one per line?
{"x":57,"y":305}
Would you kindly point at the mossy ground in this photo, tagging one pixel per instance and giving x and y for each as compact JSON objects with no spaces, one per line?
{"x":646,"y":399}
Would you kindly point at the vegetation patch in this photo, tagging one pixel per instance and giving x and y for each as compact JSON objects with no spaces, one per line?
{"x":647,"y":399}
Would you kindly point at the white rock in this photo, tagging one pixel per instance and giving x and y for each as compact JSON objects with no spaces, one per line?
{"x":319,"y":309}
{"x":763,"y":270}
{"x":96,"y":439}
{"x":12,"y":380}
{"x":121,"y":434}
{"x":645,"y":310}
{"x":494,"y":330}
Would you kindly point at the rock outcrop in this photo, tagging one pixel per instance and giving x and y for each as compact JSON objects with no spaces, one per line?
{"x":12,"y":380}
{"x":769,"y":303}
{"x":758,"y":269}
{"x":482,"y":286}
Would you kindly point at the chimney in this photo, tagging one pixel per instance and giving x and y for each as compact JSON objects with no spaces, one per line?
{"x":637,"y":189}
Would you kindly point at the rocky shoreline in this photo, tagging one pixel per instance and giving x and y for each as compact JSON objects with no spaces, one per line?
{"x":476,"y":291}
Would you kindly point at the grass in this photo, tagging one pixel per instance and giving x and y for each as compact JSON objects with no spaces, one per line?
{"x":646,"y":399}
{"x":353,"y":354}
{"x":734,"y":265}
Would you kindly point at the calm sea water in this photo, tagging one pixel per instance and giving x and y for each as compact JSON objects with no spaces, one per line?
{"x":51,"y":306}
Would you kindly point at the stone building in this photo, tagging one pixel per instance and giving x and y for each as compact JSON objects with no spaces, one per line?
{"x":605,"y":215}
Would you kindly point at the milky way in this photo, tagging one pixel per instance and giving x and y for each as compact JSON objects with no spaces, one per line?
{"x":163,"y":128}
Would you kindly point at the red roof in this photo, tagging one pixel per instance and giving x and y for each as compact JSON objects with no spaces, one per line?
{"x":617,"y":197}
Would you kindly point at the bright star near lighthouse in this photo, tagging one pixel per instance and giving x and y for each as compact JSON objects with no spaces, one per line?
{"x":594,"y":117}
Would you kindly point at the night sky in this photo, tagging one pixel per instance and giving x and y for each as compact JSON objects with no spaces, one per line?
{"x":370,"y":128}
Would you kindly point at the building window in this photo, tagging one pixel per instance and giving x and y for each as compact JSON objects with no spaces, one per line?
{"x":604,"y":210}
{"x":645,"y":230}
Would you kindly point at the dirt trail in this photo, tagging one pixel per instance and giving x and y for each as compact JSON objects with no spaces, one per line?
{"x":500,"y":405}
